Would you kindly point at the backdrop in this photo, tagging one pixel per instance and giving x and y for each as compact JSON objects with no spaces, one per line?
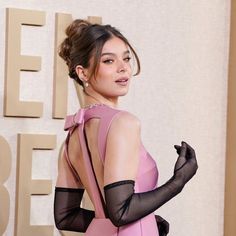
{"x":180,"y":94}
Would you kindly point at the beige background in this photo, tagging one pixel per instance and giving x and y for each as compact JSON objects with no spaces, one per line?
{"x":180,"y":95}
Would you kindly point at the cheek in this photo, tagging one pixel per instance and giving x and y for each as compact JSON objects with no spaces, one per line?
{"x":130,"y":69}
{"x":105,"y":73}
{"x":102,"y":79}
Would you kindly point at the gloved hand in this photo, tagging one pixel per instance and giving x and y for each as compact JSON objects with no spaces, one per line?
{"x":163,"y":225}
{"x":186,"y":164}
{"x":124,"y":206}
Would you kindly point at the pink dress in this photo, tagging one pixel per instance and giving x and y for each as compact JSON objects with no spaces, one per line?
{"x":146,"y":179}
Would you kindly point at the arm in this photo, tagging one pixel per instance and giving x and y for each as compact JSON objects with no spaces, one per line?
{"x":69,"y":192}
{"x":124,"y":206}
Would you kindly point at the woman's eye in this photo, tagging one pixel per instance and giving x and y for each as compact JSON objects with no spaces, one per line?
{"x":127,"y":59}
{"x":108,"y":61}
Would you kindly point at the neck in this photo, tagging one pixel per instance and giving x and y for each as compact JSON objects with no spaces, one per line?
{"x":90,"y":99}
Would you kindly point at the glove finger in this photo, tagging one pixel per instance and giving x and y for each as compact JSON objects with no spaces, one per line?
{"x":182,"y":157}
{"x":191,"y":151}
{"x":183,"y":150}
{"x":178,"y":149}
{"x":179,"y":163}
{"x":191,"y":156}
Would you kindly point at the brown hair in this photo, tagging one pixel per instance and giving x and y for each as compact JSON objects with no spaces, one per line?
{"x":85,"y":40}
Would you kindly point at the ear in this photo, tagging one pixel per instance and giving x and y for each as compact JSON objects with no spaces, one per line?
{"x":81,"y":72}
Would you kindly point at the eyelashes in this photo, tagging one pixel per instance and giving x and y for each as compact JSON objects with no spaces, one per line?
{"x":127,"y":59}
{"x":110,"y":61}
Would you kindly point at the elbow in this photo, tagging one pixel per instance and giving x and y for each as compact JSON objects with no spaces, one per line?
{"x":59,"y":225}
{"x":117,"y":220}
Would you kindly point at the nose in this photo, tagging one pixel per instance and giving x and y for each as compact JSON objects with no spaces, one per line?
{"x":121,"y":67}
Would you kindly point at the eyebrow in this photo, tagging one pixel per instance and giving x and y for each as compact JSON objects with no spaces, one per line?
{"x":113,"y":54}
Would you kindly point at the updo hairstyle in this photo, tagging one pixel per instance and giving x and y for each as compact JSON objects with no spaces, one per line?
{"x":84,"y":41}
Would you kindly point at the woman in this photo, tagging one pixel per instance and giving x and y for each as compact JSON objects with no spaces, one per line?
{"x":103,"y":152}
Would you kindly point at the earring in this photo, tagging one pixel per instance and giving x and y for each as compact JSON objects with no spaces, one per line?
{"x":86,"y":84}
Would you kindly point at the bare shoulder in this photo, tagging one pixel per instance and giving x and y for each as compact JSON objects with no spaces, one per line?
{"x":123,"y":146}
{"x":125,"y":120}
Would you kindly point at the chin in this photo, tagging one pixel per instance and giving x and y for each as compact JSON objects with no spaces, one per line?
{"x":118,"y":93}
{"x":123,"y":93}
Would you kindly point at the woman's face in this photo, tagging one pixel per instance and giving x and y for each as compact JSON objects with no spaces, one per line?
{"x":114,"y":70}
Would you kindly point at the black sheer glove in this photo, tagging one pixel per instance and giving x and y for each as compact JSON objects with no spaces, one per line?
{"x":124,"y":206}
{"x":186,"y":164}
{"x":67,"y":212}
{"x":163,"y":225}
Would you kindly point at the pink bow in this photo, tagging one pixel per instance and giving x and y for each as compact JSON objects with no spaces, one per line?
{"x":74,"y":120}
